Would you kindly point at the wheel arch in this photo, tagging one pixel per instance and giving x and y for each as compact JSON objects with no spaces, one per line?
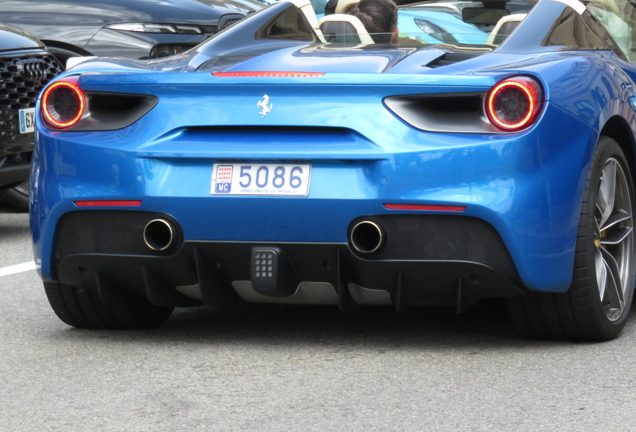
{"x":619,"y":130}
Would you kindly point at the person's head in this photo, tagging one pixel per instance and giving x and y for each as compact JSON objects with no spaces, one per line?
{"x":378,"y":16}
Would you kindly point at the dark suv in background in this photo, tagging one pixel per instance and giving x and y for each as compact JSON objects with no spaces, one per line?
{"x":137,"y":29}
{"x":25,"y":68}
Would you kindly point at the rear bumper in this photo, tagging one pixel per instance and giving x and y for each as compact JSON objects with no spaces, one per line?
{"x":524,"y":185}
{"x":427,"y":260}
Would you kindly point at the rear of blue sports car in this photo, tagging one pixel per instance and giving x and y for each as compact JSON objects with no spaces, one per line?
{"x":290,"y":170}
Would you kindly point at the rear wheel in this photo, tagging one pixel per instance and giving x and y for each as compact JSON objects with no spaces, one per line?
{"x":597,"y":303}
{"x":82,"y":308}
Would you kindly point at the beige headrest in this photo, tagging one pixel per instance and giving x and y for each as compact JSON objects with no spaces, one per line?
{"x":363,"y":34}
{"x":344,"y":6}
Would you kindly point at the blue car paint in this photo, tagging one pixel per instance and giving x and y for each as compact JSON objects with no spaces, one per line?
{"x":494,"y":192}
{"x":528,"y":185}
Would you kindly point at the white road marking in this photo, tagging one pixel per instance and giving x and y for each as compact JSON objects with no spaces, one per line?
{"x":18,"y":268}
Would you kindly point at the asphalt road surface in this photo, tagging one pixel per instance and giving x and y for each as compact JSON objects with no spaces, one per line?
{"x":297,"y":369}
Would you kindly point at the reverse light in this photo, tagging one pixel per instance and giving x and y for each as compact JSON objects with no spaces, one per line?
{"x":63,"y":103}
{"x":513,"y":104}
{"x":280,"y":74}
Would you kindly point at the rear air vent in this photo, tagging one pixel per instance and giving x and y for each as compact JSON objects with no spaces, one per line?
{"x":450,"y":58}
{"x":448,"y":112}
{"x":113,"y":111}
{"x":248,"y":141}
{"x":261,"y":136}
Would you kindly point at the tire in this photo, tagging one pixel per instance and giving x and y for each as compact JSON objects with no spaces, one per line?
{"x":18,"y":196}
{"x":82,"y":308}
{"x":595,"y":307}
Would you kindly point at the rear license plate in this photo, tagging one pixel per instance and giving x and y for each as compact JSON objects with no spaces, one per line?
{"x":261,"y":179}
{"x":27,"y":120}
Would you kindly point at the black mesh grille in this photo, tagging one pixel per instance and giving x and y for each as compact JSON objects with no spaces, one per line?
{"x":21,"y":80}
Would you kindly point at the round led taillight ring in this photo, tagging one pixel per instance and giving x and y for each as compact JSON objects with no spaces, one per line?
{"x":522,"y":90}
{"x":73,"y":95}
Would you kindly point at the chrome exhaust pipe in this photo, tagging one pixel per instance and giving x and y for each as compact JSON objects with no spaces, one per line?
{"x":159,"y":234}
{"x":367,"y":237}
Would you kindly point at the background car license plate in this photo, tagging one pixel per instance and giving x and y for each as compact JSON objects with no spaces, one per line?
{"x":27,"y":120}
{"x":261,"y":179}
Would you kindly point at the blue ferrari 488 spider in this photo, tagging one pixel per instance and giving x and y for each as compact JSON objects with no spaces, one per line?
{"x":279,"y":162}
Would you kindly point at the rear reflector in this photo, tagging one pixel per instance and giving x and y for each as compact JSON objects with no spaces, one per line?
{"x":269,"y":74}
{"x":107,"y":203}
{"x":420,"y":207}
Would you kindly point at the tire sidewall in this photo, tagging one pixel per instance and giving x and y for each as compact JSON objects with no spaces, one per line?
{"x":606,"y":148}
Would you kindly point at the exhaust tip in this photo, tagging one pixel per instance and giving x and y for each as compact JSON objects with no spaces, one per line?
{"x":159,"y":234}
{"x":367,"y":237}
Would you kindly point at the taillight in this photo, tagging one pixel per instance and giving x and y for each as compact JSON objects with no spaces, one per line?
{"x":513,"y":104}
{"x":63,"y":103}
